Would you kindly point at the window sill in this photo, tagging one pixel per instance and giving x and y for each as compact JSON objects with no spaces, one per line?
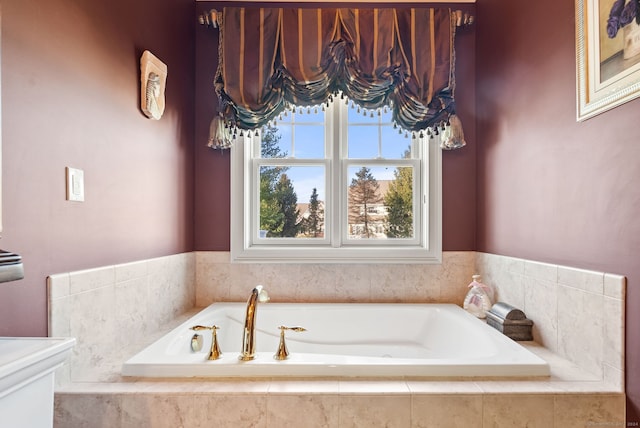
{"x":404,"y":255}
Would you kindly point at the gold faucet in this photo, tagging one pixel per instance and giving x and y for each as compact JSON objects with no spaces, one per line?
{"x":258,"y":294}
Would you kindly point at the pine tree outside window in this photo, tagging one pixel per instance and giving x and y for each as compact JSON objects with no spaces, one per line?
{"x":338,"y":184}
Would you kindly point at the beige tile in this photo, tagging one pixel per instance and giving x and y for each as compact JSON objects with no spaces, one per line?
{"x":494,"y":264}
{"x":614,"y":285}
{"x":59,"y":317}
{"x":373,"y":387}
{"x":161,"y":411}
{"x":358,"y":411}
{"x":205,"y":257}
{"x":229,"y":387}
{"x":586,"y":280}
{"x":131,"y":311}
{"x":315,"y":283}
{"x":279,"y":280}
{"x":581,"y":328}
{"x":443,"y":387}
{"x":213,"y":282}
{"x":613,"y":376}
{"x":171,"y":287}
{"x":508,"y":411}
{"x":309,"y":411}
{"x":71,"y":410}
{"x":129,"y":271}
{"x":234,"y":410}
{"x":585,"y":387}
{"x":460,"y":261}
{"x":509,"y":288}
{"x":506,"y":276}
{"x":455,"y":276}
{"x":512,"y":264}
{"x":436,"y":411}
{"x":91,"y":322}
{"x":431,"y":284}
{"x":387,"y":283}
{"x":541,"y":271}
{"x":423,"y":285}
{"x":565,"y":370}
{"x":58,"y":286}
{"x":613,"y":346}
{"x":304,"y":387}
{"x":284,"y":283}
{"x":579,"y":411}
{"x":516,"y":387}
{"x":90,"y":279}
{"x":541,"y":306}
{"x":103,"y":388}
{"x":353,"y":283}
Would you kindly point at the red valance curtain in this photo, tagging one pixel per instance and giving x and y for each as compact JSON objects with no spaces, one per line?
{"x":271,"y":59}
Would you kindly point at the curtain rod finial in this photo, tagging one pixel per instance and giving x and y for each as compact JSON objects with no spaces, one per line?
{"x":210,"y":19}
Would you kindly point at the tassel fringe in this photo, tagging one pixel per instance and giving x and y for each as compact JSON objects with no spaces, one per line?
{"x":453,"y":135}
{"x":220,"y":136}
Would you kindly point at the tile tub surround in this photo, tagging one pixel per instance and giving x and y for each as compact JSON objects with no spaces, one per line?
{"x":219,"y":280}
{"x":330,"y":404}
{"x":112,"y":309}
{"x":572,"y":396}
{"x":578,"y":314}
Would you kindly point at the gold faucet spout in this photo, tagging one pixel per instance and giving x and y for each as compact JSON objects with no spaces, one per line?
{"x":258,"y":294}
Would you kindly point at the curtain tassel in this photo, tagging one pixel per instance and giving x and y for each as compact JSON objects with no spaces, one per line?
{"x":453,"y":135}
{"x":219,"y":134}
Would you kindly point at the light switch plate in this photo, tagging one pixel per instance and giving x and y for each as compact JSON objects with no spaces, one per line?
{"x":75,"y":184}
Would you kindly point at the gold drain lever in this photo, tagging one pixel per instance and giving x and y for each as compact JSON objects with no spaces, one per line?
{"x":215,"y":353}
{"x":283,"y":353}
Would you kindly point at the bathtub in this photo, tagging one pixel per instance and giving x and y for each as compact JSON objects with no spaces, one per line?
{"x":365,"y":340}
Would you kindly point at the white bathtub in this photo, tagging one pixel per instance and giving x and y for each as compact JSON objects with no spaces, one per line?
{"x":365,"y":340}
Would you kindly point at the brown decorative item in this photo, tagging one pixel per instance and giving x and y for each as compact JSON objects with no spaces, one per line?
{"x":607,"y":54}
{"x":153,"y":78}
{"x":510,"y":321}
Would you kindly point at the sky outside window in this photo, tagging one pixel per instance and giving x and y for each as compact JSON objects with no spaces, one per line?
{"x":369,"y":137}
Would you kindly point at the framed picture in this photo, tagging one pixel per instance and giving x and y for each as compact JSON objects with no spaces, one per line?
{"x":607,"y":54}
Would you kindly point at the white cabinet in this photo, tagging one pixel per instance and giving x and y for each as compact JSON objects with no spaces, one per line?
{"x":27,"y":369}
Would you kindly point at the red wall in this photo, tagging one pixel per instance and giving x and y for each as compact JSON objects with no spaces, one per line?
{"x":70,"y":97}
{"x":549,"y":188}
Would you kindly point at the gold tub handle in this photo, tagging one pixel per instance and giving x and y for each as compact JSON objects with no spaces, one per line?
{"x":214,"y":353}
{"x":283,"y":353}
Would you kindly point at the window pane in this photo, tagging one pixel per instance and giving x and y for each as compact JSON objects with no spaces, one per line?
{"x":372,"y":136}
{"x":380,"y":202}
{"x":292,"y":201}
{"x":309,"y":142}
{"x":275,"y":141}
{"x":363,"y":142}
{"x":395,"y":145}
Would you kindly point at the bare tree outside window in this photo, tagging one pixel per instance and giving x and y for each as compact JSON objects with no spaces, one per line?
{"x":363,"y":195}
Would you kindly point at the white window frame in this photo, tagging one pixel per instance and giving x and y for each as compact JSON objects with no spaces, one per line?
{"x":334,"y":248}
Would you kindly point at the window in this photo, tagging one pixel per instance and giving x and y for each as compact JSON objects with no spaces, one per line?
{"x":335,"y":184}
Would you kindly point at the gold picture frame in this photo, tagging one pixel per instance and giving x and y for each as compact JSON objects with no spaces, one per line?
{"x":607,"y":68}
